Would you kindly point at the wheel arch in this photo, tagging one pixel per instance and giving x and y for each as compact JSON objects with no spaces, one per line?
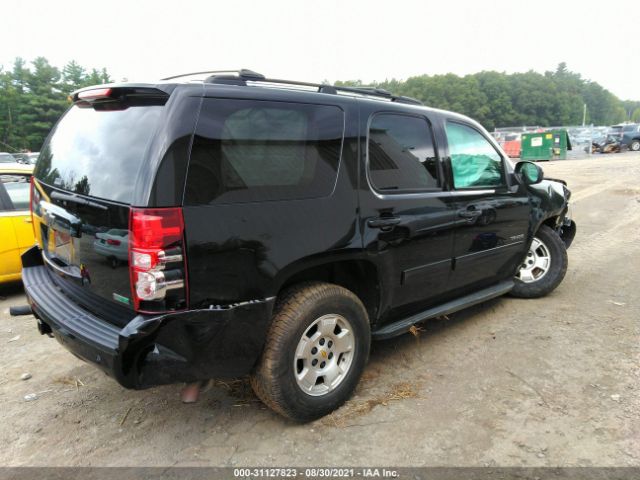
{"x":565,"y":229}
{"x":355,"y":273}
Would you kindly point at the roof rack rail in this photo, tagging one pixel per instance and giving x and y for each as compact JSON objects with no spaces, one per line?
{"x":243,"y":75}
{"x":364,"y":91}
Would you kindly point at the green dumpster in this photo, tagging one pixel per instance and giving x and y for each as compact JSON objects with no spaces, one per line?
{"x":549,"y":145}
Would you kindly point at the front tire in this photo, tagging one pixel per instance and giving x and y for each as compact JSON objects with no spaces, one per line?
{"x":316,"y":350}
{"x":635,"y":146}
{"x":544,"y":267}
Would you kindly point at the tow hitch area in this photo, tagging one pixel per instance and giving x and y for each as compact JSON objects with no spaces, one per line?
{"x":20,"y":310}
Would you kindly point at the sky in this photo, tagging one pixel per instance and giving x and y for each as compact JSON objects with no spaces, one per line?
{"x":329,"y":39}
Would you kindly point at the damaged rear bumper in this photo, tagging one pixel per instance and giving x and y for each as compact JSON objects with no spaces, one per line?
{"x":222,"y":341}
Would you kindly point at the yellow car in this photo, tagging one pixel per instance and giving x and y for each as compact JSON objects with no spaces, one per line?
{"x":16,"y":230}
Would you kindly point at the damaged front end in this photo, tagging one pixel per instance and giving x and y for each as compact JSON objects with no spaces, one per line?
{"x":554,"y":209}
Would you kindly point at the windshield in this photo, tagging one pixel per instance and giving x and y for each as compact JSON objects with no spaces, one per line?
{"x":98,"y":152}
{"x":7,"y":158}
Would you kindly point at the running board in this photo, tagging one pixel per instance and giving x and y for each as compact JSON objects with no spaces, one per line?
{"x":402,"y":326}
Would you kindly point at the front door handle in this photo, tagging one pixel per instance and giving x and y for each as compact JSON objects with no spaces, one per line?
{"x":383,"y":222}
{"x":469,"y":214}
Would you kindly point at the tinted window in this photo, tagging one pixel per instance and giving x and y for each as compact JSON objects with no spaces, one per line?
{"x":401,"y":153}
{"x":98,"y":152}
{"x":252,"y":150}
{"x":17,"y":187}
{"x":474,"y":161}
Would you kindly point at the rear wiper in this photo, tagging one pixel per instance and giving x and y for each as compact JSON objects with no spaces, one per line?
{"x":76,"y":199}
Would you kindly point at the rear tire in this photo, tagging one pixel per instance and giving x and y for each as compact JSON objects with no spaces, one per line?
{"x":544,"y":267}
{"x":316,"y":350}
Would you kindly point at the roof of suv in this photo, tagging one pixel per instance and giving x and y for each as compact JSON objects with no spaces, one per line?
{"x":256,"y":83}
{"x":250,"y":78}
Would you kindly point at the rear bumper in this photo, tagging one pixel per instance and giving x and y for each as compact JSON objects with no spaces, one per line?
{"x":222,"y":341}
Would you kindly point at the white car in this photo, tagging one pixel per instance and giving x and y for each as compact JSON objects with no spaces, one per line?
{"x":113,"y":244}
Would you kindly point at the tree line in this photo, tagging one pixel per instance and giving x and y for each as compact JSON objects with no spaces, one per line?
{"x":33,"y":97}
{"x":497,"y":99}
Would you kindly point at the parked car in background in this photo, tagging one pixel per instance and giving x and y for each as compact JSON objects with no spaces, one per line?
{"x":628,"y":135}
{"x":27,"y":158}
{"x":114,"y":245}
{"x":16,"y":230}
{"x":7,"y":158}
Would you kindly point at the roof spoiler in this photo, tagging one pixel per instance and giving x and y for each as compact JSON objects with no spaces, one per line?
{"x":119,"y":97}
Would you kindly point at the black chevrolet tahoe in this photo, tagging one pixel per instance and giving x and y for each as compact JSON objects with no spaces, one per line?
{"x":240,"y":225}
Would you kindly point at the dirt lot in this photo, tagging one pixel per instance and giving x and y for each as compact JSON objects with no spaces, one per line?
{"x":510,"y":382}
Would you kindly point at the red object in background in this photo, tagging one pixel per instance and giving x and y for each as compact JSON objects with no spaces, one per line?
{"x":512,"y":148}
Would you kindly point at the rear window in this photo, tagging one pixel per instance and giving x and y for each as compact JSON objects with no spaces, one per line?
{"x":247,"y":151}
{"x":17,"y":189}
{"x":98,"y":152}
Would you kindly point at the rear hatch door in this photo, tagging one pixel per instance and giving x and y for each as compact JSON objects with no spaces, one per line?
{"x":85,"y":180}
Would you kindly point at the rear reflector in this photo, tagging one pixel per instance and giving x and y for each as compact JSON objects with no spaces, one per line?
{"x":156,"y":259}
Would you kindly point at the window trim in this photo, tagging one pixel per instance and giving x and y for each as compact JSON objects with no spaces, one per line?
{"x":424,"y":192}
{"x":480,"y":188}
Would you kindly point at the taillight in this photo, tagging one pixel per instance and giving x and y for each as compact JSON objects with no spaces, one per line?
{"x":157,"y":263}
{"x":111,"y":241}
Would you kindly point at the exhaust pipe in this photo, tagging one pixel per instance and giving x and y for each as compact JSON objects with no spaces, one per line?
{"x":20,"y":310}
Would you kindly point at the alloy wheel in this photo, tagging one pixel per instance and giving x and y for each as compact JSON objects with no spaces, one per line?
{"x":324,"y":355}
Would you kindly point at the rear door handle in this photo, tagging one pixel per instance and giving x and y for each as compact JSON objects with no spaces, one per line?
{"x":383,"y":222}
{"x":469,"y":214}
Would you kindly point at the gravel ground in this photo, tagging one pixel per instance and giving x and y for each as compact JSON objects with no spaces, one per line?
{"x":547,"y":382}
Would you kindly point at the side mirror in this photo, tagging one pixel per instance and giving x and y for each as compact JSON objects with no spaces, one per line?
{"x":529,"y":172}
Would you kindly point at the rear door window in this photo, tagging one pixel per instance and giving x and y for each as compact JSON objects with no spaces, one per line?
{"x":247,"y":151}
{"x":401,"y":155}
